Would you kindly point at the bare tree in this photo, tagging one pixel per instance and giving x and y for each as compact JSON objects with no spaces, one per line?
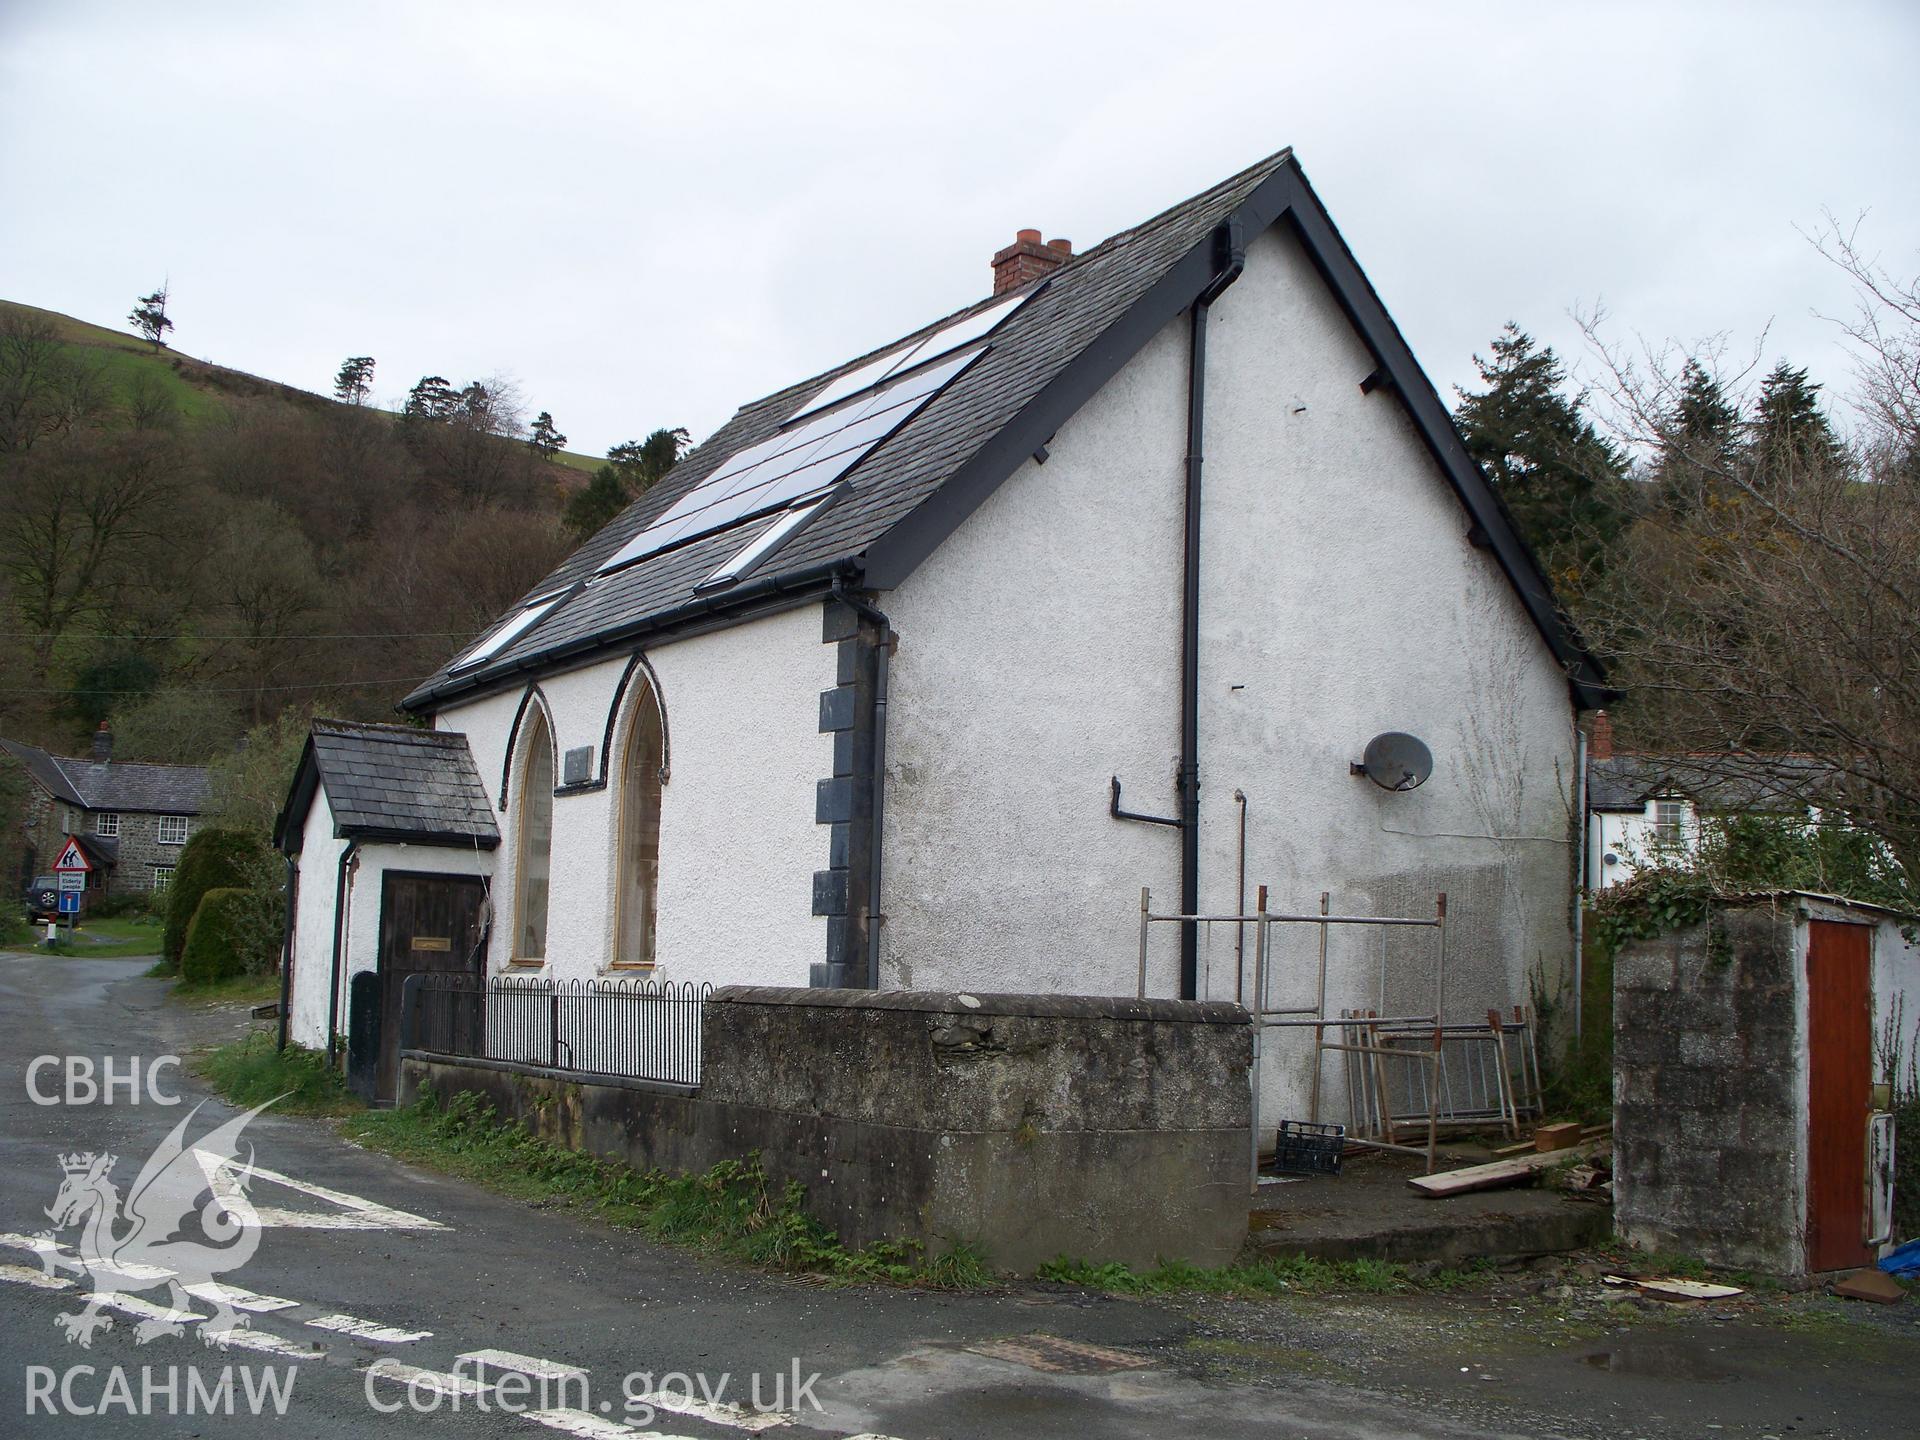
{"x":1765,"y":597}
{"x":72,"y":526}
{"x":45,"y":390}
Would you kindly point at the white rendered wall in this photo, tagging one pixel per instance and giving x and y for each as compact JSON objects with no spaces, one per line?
{"x":1632,"y":835}
{"x":1040,"y":653}
{"x":313,"y":926}
{"x":319,"y":868}
{"x":738,"y":842}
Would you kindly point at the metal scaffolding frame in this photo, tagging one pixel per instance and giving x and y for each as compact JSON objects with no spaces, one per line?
{"x":1375,"y":1044}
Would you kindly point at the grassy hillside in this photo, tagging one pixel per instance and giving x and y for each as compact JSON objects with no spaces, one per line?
{"x":197,"y":389}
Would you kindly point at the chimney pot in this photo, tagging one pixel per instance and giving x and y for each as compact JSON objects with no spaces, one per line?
{"x":1600,"y":742}
{"x":103,"y":743}
{"x":1026,"y":260}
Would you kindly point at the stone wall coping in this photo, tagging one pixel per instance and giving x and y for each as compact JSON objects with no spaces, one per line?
{"x":549,"y":1072}
{"x":956,"y":1002}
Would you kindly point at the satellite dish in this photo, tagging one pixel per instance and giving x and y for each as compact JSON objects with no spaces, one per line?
{"x":1395,"y":761}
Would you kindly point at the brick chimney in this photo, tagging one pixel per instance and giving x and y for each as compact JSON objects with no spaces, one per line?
{"x":1027,"y":259}
{"x":103,"y":743}
{"x":1600,"y":741}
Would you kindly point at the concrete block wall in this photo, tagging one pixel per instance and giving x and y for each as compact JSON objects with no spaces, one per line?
{"x":1028,"y":1125}
{"x":1707,"y":1121}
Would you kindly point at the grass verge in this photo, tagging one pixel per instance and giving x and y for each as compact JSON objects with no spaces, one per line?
{"x":251,"y":1071}
{"x":733,"y":1210}
{"x":234,"y":990}
{"x":120,"y":938}
{"x":1254,"y":1279}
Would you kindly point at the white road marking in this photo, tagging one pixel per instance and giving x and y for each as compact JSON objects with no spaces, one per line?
{"x":717,"y":1412}
{"x":38,"y":1279}
{"x":134,"y":1270}
{"x":146,"y":1309}
{"x":214,"y":1293}
{"x":241,"y":1338}
{"x":368,"y":1329}
{"x":526,"y":1364}
{"x":589,"y":1426}
{"x":354,"y":1213}
{"x":15,"y":1241}
{"x":402,"y":1373}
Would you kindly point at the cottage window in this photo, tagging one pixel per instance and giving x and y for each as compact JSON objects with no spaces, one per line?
{"x":535,"y":866}
{"x":173,"y":830}
{"x":640,"y":832}
{"x":106,"y":823}
{"x":162,"y":877}
{"x":1669,"y":821}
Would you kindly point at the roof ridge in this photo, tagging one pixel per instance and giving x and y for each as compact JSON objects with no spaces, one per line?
{"x":1213,"y":192}
{"x":124,"y":764}
{"x":387,"y":727}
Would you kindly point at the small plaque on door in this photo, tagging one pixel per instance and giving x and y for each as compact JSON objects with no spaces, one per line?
{"x":433,"y":942}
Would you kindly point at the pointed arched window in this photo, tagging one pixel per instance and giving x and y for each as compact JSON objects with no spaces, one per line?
{"x":639,"y":848}
{"x":535,"y":842}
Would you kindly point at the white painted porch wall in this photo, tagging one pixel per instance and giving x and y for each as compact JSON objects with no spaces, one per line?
{"x":1040,"y":651}
{"x":319,"y":868}
{"x":738,"y":842}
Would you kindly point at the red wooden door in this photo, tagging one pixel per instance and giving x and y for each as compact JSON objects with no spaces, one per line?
{"x":1839,"y":1090}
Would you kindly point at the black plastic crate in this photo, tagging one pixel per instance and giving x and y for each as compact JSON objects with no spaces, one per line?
{"x":1303,"y":1148}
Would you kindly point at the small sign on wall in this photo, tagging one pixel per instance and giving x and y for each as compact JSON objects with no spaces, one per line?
{"x":576,"y":767}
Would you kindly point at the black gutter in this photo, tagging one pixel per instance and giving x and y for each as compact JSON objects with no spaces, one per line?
{"x":882,"y":665}
{"x":286,"y":951}
{"x":1230,"y":259}
{"x":818,"y":576}
{"x":339,"y":927}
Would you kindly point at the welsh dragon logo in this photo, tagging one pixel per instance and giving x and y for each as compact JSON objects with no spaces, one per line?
{"x":145,"y":1242}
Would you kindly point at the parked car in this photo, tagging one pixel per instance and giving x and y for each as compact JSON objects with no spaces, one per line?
{"x":43,"y":898}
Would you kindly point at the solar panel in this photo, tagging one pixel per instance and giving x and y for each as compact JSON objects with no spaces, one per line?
{"x":791,"y":464}
{"x":505,"y":633}
{"x":874,"y":372}
{"x":764,"y":544}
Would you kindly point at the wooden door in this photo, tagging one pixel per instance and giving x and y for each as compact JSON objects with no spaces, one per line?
{"x":428,"y":924}
{"x":1839,"y":1091}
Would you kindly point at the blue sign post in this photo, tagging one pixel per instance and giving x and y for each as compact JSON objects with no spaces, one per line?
{"x":69,"y":903}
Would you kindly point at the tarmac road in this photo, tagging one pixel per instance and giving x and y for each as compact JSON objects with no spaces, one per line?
{"x":429,"y":1270}
{"x":491,"y":1275}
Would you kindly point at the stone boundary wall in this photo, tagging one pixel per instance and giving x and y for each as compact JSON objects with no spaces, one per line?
{"x":1707,"y":1114}
{"x":1030,"y":1126}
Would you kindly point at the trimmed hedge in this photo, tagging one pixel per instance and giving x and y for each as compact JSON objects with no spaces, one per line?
{"x":211,"y":860}
{"x":216,"y":947}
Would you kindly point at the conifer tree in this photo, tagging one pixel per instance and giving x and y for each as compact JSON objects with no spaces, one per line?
{"x":355,"y":380}
{"x":1555,"y":472}
{"x":544,"y":438}
{"x":149,"y":318}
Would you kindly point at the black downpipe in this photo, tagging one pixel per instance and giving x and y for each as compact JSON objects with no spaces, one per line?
{"x":286,"y":951}
{"x":339,"y":934}
{"x":1230,"y":259}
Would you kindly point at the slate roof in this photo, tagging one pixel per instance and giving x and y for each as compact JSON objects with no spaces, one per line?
{"x":391,"y":782}
{"x":1079,"y":325}
{"x":118,"y":785}
{"x":1726,"y":784}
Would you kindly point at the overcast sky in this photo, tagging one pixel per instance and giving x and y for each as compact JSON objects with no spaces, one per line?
{"x":648,"y":214}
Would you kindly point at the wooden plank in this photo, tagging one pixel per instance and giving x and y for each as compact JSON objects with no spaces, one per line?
{"x":1494,"y":1175}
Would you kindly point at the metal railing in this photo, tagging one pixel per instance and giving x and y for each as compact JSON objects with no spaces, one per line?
{"x":638,"y":1029}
